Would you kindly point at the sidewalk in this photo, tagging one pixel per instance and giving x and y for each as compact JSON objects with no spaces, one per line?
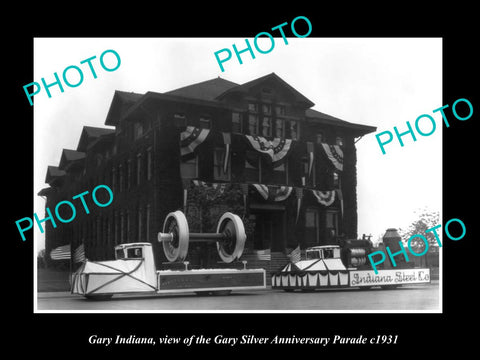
{"x":50,"y":280}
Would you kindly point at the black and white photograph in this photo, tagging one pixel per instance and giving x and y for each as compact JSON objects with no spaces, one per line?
{"x":292,"y":182}
{"x":261,"y":187}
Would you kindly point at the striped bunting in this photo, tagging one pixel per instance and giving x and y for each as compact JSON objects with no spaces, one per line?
{"x":191,"y":138}
{"x":324,"y":197}
{"x":334,"y":154}
{"x":277,"y":149}
{"x":61,"y":253}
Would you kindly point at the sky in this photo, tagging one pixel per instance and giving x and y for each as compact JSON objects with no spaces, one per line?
{"x":381,"y":82}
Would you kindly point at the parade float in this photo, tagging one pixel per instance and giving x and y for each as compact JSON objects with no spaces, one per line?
{"x":346,"y":265}
{"x":134,"y":270}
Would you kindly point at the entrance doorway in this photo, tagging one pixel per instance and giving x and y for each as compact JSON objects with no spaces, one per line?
{"x":270,"y":229}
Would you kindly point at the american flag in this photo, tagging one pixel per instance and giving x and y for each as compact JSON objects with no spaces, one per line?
{"x":263,"y":254}
{"x":295,"y":255}
{"x":79,"y":254}
{"x":61,"y":253}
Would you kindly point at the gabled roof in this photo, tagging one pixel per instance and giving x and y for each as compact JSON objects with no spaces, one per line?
{"x":211,"y":93}
{"x":90,"y":134}
{"x":45,"y":191}
{"x":121,"y":102}
{"x":53,"y":173}
{"x":244,"y":88}
{"x":205,"y":90}
{"x":68,"y":157}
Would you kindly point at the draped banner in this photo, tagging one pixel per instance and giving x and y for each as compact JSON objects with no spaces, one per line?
{"x":334,"y":154}
{"x":274,"y":193}
{"x":186,"y":184}
{"x":311,"y":152}
{"x":299,"y":193}
{"x":227,"y":140}
{"x":262,"y":190}
{"x":276,"y":149}
{"x":324,"y":197}
{"x":191,"y":138}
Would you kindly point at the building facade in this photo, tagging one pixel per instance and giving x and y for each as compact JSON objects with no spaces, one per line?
{"x":257,"y":149}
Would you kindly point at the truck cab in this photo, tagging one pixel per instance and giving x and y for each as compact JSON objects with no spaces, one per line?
{"x":131,"y":251}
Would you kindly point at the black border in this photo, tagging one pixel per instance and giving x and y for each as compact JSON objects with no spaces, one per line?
{"x":60,"y":335}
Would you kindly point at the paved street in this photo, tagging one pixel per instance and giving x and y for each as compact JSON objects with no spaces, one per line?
{"x":407,"y":298}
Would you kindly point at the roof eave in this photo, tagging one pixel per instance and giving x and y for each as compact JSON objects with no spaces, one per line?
{"x":358,"y":129}
{"x":154,"y":96}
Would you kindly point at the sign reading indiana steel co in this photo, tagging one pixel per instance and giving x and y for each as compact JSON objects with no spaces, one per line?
{"x":389,"y":277}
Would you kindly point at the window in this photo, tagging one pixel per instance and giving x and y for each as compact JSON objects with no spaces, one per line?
{"x":252,"y":107}
{"x":114,"y":179}
{"x":312,"y":233}
{"x":279,"y":128}
{"x":116,"y":236}
{"x":133,"y":253}
{"x":236,"y":122}
{"x":267,"y":109}
{"x":189,"y":169}
{"x":218,"y":165}
{"x":205,"y":122}
{"x":149,"y":164}
{"x":180,"y":120}
{"x":122,"y":227}
{"x":253,"y":124}
{"x":147,"y":223}
{"x":139,"y":168}
{"x":267,"y":91}
{"x":294,"y":129}
{"x":313,"y":254}
{"x":267,"y":126}
{"x":308,"y":180}
{"x":98,"y":160}
{"x":128,"y":179}
{"x":128,"y":225}
{"x":137,"y":130}
{"x":139,"y":225}
{"x":331,"y":225}
{"x":280,"y":110}
{"x":120,"y":178}
{"x":280,"y":174}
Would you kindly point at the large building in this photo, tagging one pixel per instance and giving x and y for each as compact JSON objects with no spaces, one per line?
{"x":257,"y":149}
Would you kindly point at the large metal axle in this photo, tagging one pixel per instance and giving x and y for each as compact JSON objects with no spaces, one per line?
{"x":230,"y":237}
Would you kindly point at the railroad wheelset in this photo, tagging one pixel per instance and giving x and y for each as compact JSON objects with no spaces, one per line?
{"x":230,"y":237}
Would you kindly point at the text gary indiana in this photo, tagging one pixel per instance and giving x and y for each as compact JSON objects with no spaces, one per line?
{"x":132,"y":339}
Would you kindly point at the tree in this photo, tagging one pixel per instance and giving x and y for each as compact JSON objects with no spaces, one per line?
{"x":426,"y":219}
